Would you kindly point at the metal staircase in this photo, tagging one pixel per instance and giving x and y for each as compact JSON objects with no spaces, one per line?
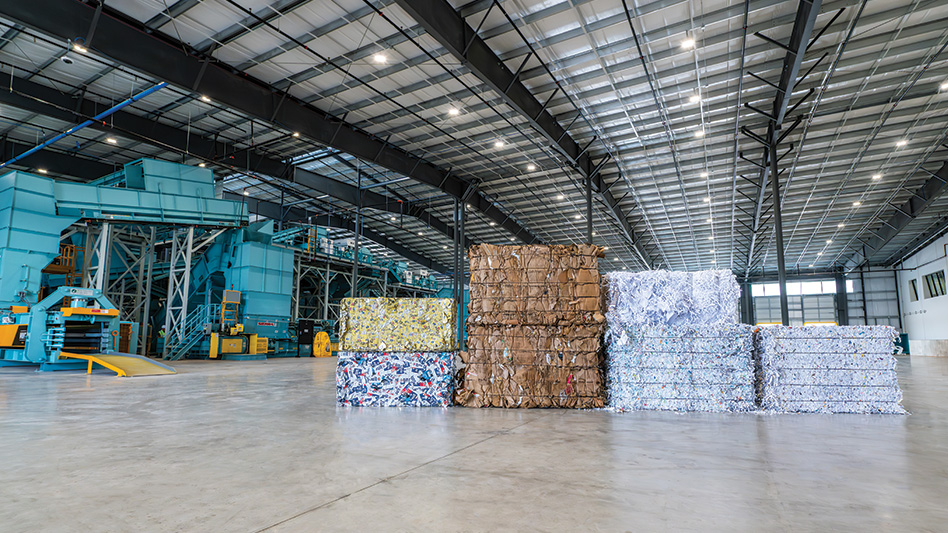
{"x":193,"y":330}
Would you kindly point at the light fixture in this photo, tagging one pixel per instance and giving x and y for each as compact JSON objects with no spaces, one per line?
{"x":594,"y":234}
{"x":615,"y":258}
{"x":393,"y":218}
{"x":42,"y":170}
{"x":205,"y":99}
{"x":829,"y":241}
{"x":625,"y":268}
{"x":111,"y":140}
{"x":876,"y":177}
{"x":711,"y":238}
{"x":688,"y":43}
{"x":202,"y":164}
{"x":246,"y":192}
{"x":713,"y":261}
{"x":840,"y":225}
{"x":531,"y":167}
{"x":445,"y":247}
{"x":819,"y":254}
{"x":710,"y":221}
{"x":703,"y":175}
{"x":511,"y":239}
{"x":498,"y":144}
{"x":605,"y":247}
{"x":857,"y":204}
{"x":695,"y":98}
{"x":296,"y":134}
{"x":944,"y":85}
{"x":79,"y":48}
{"x":560,"y":197}
{"x":811,"y":265}
{"x":901,"y":142}
{"x":706,"y":199}
{"x":493,"y":223}
{"x":420,"y":234}
{"x":577,"y":217}
{"x":379,"y":58}
{"x":712,"y":250}
{"x":699,"y":133}
{"x":453,"y":111}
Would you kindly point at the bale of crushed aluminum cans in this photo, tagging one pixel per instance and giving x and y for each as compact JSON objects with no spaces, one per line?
{"x":829,"y":369}
{"x":397,"y":325}
{"x":389,"y":379}
{"x":667,"y":298}
{"x":681,"y":368}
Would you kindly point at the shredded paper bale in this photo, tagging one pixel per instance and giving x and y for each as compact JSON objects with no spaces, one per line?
{"x":682,"y":368}
{"x":397,"y":324}
{"x":829,"y":369}
{"x":662,"y":297}
{"x":388,"y":379}
{"x":534,"y":328}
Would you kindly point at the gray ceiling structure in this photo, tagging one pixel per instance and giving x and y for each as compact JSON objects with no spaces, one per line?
{"x":510,"y":108}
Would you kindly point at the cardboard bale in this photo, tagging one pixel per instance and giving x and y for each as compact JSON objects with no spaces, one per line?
{"x":829,"y":369}
{"x":397,"y":325}
{"x":386,"y":379}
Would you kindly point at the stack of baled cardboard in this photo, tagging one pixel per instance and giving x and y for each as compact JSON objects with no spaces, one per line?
{"x":534,"y":327}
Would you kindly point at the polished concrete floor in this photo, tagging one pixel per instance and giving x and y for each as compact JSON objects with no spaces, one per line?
{"x":228,"y":446}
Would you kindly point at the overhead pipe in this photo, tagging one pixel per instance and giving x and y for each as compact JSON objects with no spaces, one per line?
{"x":100,"y":116}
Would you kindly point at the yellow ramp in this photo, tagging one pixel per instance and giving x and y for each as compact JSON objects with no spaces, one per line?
{"x":123,"y":364}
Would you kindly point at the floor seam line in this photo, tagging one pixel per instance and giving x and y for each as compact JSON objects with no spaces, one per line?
{"x":385,"y":479}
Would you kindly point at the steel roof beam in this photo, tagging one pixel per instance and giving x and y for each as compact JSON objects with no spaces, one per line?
{"x":901,"y":217}
{"x":449,"y":28}
{"x":49,"y":102}
{"x":128,"y":42}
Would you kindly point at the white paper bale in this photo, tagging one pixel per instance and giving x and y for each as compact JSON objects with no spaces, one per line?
{"x":829,"y":369}
{"x":662,"y":297}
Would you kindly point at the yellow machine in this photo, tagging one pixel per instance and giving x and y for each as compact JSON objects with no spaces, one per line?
{"x":321,"y":345}
{"x":231,"y":342}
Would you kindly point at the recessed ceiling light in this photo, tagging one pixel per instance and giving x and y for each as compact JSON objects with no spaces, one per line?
{"x":840,"y":225}
{"x":205,"y":99}
{"x":901,"y":142}
{"x":202,"y":164}
{"x":493,"y":223}
{"x":857,"y":204}
{"x":296,"y":134}
{"x":688,"y":43}
{"x":42,"y":170}
{"x":560,"y":197}
{"x":876,"y":177}
{"x":498,"y":144}
{"x":379,"y":58}
{"x":695,"y":98}
{"x":111,"y":140}
{"x":703,"y":175}
{"x":699,"y":133}
{"x":453,"y":111}
{"x":531,"y":167}
{"x":79,"y":48}
{"x":829,"y":241}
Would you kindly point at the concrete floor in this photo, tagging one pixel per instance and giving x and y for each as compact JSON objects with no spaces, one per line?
{"x":227,"y":446}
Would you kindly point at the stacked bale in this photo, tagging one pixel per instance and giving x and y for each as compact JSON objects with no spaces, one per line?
{"x":838,"y":369}
{"x":673,"y":343}
{"x":534,"y":327}
{"x":396,"y":352}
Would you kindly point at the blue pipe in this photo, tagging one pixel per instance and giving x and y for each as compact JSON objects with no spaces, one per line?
{"x":94,"y":119}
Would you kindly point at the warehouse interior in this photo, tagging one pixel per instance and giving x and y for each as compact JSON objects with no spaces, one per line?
{"x":217,"y":217}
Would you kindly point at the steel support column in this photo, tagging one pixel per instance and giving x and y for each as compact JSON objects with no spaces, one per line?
{"x":842,"y":300}
{"x":179,"y":283}
{"x":778,"y":230}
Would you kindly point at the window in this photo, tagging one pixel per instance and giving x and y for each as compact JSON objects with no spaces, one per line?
{"x":934,"y":284}
{"x":913,"y":290}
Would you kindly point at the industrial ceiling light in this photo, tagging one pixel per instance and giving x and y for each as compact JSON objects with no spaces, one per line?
{"x":710,"y":221}
{"x":498,"y":144}
{"x":560,"y":197}
{"x":42,"y":170}
{"x":711,"y":238}
{"x":857,"y":204}
{"x":876,"y":177}
{"x":393,"y":218}
{"x":840,"y":225}
{"x":420,"y":234}
{"x":688,"y":43}
{"x":706,"y":199}
{"x":246,"y":192}
{"x":512,"y":239}
{"x":379,"y":59}
{"x":695,"y":98}
{"x":615,"y":258}
{"x":699,"y":133}
{"x":111,"y":140}
{"x":202,"y":164}
{"x":205,"y":99}
{"x":811,"y":265}
{"x":493,"y":223}
{"x":445,"y":247}
{"x":79,"y":48}
{"x":605,"y":247}
{"x":296,"y":134}
{"x":453,"y":111}
{"x":819,"y":254}
{"x":712,"y":250}
{"x":531,"y":167}
{"x":713,"y":261}
{"x":703,"y":175}
{"x":829,"y":241}
{"x":577,"y":217}
{"x":901,"y":143}
{"x":944,"y":85}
